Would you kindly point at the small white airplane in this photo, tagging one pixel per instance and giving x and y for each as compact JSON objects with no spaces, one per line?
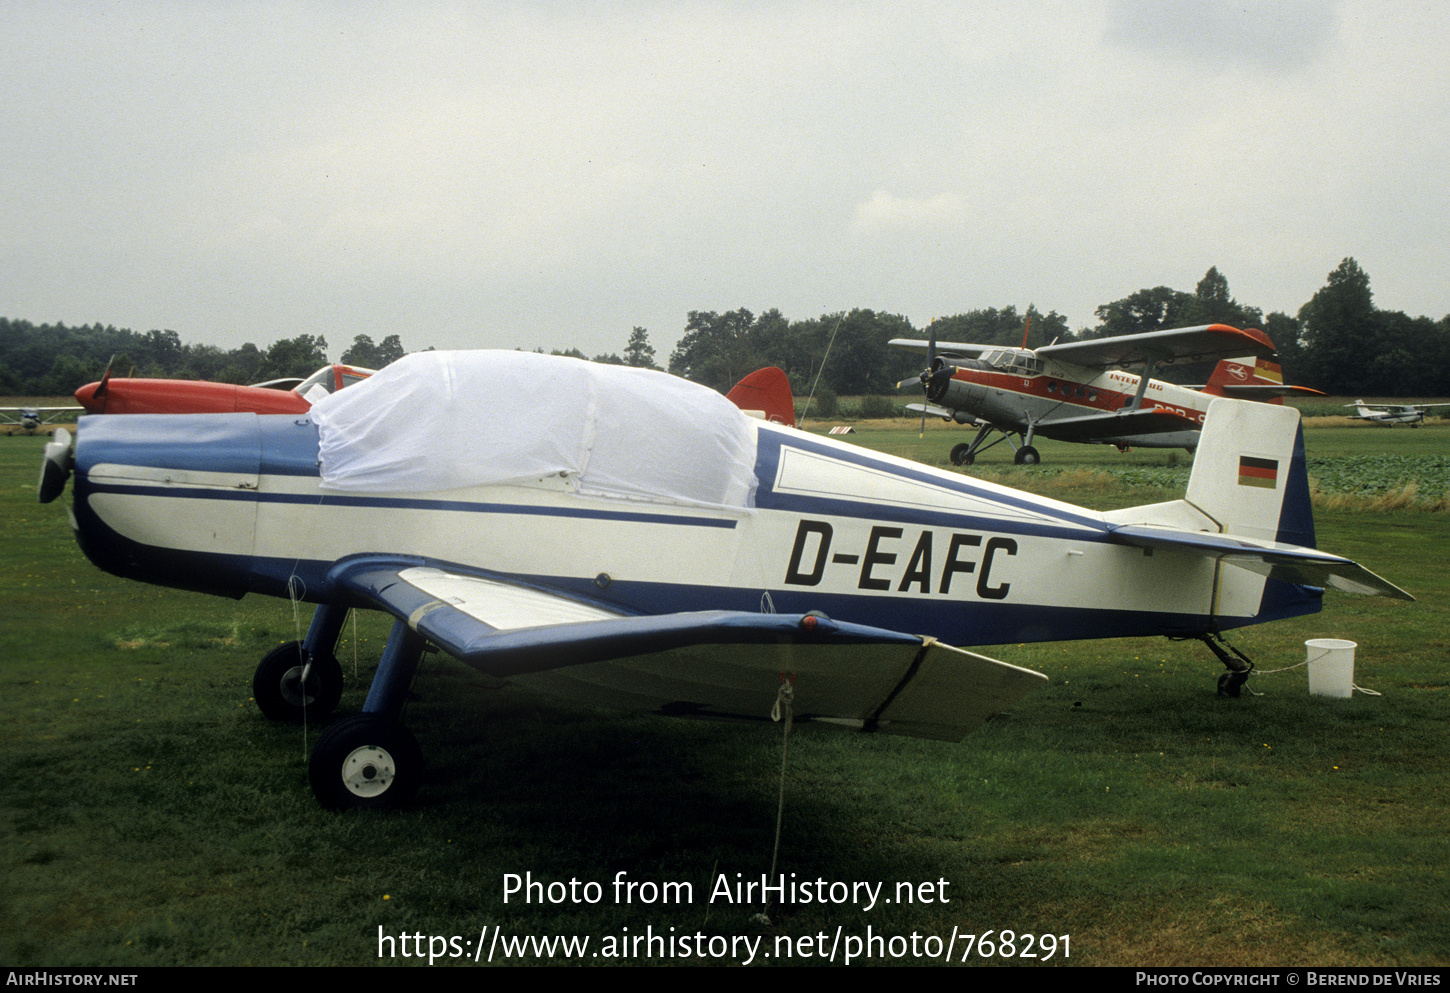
{"x":33,"y":419}
{"x":1390,"y":415}
{"x":630,"y":538}
{"x":1077,"y":391}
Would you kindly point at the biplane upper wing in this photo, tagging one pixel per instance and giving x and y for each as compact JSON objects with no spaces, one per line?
{"x":1208,"y":341}
{"x":710,"y":663}
{"x":945,"y":349}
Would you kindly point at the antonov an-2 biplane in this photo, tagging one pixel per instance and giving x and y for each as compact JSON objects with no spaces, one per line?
{"x":1079,"y":391}
{"x":630,"y":538}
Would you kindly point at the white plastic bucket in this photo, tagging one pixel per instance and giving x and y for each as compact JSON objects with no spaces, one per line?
{"x":1331,"y":667}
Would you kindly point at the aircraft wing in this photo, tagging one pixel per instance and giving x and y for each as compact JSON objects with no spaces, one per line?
{"x":933,"y":409}
{"x":705,"y":663}
{"x":1123,"y":423}
{"x":1287,"y":563}
{"x":1208,"y":341}
{"x":945,"y":349}
{"x":16,"y":415}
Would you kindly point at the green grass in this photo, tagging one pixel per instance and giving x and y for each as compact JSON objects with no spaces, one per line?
{"x":150,"y":816}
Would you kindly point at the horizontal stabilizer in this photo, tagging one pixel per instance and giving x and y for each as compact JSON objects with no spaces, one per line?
{"x":1268,"y":392}
{"x":1286,"y":563}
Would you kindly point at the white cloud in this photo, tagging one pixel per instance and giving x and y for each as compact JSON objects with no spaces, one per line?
{"x":884,"y":211}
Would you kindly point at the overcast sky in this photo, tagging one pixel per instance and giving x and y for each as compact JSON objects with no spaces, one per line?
{"x":555,"y":173}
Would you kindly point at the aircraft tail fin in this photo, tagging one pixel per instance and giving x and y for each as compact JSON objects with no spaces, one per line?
{"x":766,"y":394}
{"x":1249,"y":473}
{"x":1250,"y":484}
{"x":1234,"y":374}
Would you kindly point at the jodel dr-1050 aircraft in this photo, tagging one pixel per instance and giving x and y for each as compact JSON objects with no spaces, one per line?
{"x":1078,"y":391}
{"x":192,"y":396}
{"x":1391,"y":414}
{"x":634,"y":539}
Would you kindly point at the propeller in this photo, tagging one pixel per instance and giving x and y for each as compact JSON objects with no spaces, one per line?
{"x":56,"y":467}
{"x":926,"y":376}
{"x":101,"y":393}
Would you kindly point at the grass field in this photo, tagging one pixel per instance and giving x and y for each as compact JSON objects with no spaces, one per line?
{"x":150,"y":816}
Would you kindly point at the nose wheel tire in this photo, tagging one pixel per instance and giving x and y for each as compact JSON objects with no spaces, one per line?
{"x":279,"y":691}
{"x":365,"y":761}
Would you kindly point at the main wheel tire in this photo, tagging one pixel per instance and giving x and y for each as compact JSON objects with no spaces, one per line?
{"x":962,"y":454}
{"x":277,"y":685}
{"x":366,"y":761}
{"x":1027,"y":455}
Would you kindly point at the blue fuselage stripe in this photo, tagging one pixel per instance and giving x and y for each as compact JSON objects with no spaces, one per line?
{"x":408,"y":503}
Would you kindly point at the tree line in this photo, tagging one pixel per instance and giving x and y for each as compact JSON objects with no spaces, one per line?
{"x":1338,"y":342}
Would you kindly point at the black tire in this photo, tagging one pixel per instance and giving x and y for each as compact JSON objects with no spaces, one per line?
{"x":962,"y":454}
{"x":365,"y":761}
{"x":1027,"y":455}
{"x":277,"y":685}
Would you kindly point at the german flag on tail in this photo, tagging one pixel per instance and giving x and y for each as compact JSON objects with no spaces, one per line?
{"x":1258,"y":472}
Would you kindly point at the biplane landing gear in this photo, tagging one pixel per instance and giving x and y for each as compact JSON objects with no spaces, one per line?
{"x":1027,"y":455}
{"x":367,"y":761}
{"x":962,"y":454}
{"x":283,"y":695}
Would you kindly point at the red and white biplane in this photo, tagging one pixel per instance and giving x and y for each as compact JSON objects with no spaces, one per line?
{"x":1079,"y":390}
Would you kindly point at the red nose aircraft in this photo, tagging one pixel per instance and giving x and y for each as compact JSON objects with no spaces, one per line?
{"x":187,"y":396}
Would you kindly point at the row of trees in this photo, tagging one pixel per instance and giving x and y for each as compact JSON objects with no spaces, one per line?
{"x":1338,"y":342}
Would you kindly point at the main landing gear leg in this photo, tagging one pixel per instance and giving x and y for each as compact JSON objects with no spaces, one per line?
{"x":300,"y":681}
{"x":1027,"y":455}
{"x":966,"y":454}
{"x":1239,"y":665}
{"x":371,"y":760}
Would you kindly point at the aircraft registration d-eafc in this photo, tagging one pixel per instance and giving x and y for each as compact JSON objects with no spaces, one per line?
{"x":1077,"y":391}
{"x":1391,"y":414}
{"x":113,"y":395}
{"x":630,"y":538}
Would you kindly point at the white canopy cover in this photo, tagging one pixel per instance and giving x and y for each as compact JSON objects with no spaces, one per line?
{"x":445,"y":420}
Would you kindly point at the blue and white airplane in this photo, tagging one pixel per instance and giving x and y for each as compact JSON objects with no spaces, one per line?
{"x":633,"y":539}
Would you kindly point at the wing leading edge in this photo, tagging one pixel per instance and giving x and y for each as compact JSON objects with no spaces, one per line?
{"x":702,"y":663}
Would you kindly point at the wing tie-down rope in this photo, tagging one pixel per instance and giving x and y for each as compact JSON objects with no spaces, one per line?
{"x":784,"y":698}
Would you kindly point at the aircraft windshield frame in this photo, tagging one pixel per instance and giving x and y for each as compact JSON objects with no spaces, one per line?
{"x":1013,"y":360}
{"x":323,"y":377}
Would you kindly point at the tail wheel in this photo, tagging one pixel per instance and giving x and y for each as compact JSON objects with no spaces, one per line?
{"x":365,"y":761}
{"x":280,"y":693}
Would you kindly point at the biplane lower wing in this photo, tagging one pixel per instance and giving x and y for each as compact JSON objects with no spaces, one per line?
{"x":1123,"y":423}
{"x":702,"y":663}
